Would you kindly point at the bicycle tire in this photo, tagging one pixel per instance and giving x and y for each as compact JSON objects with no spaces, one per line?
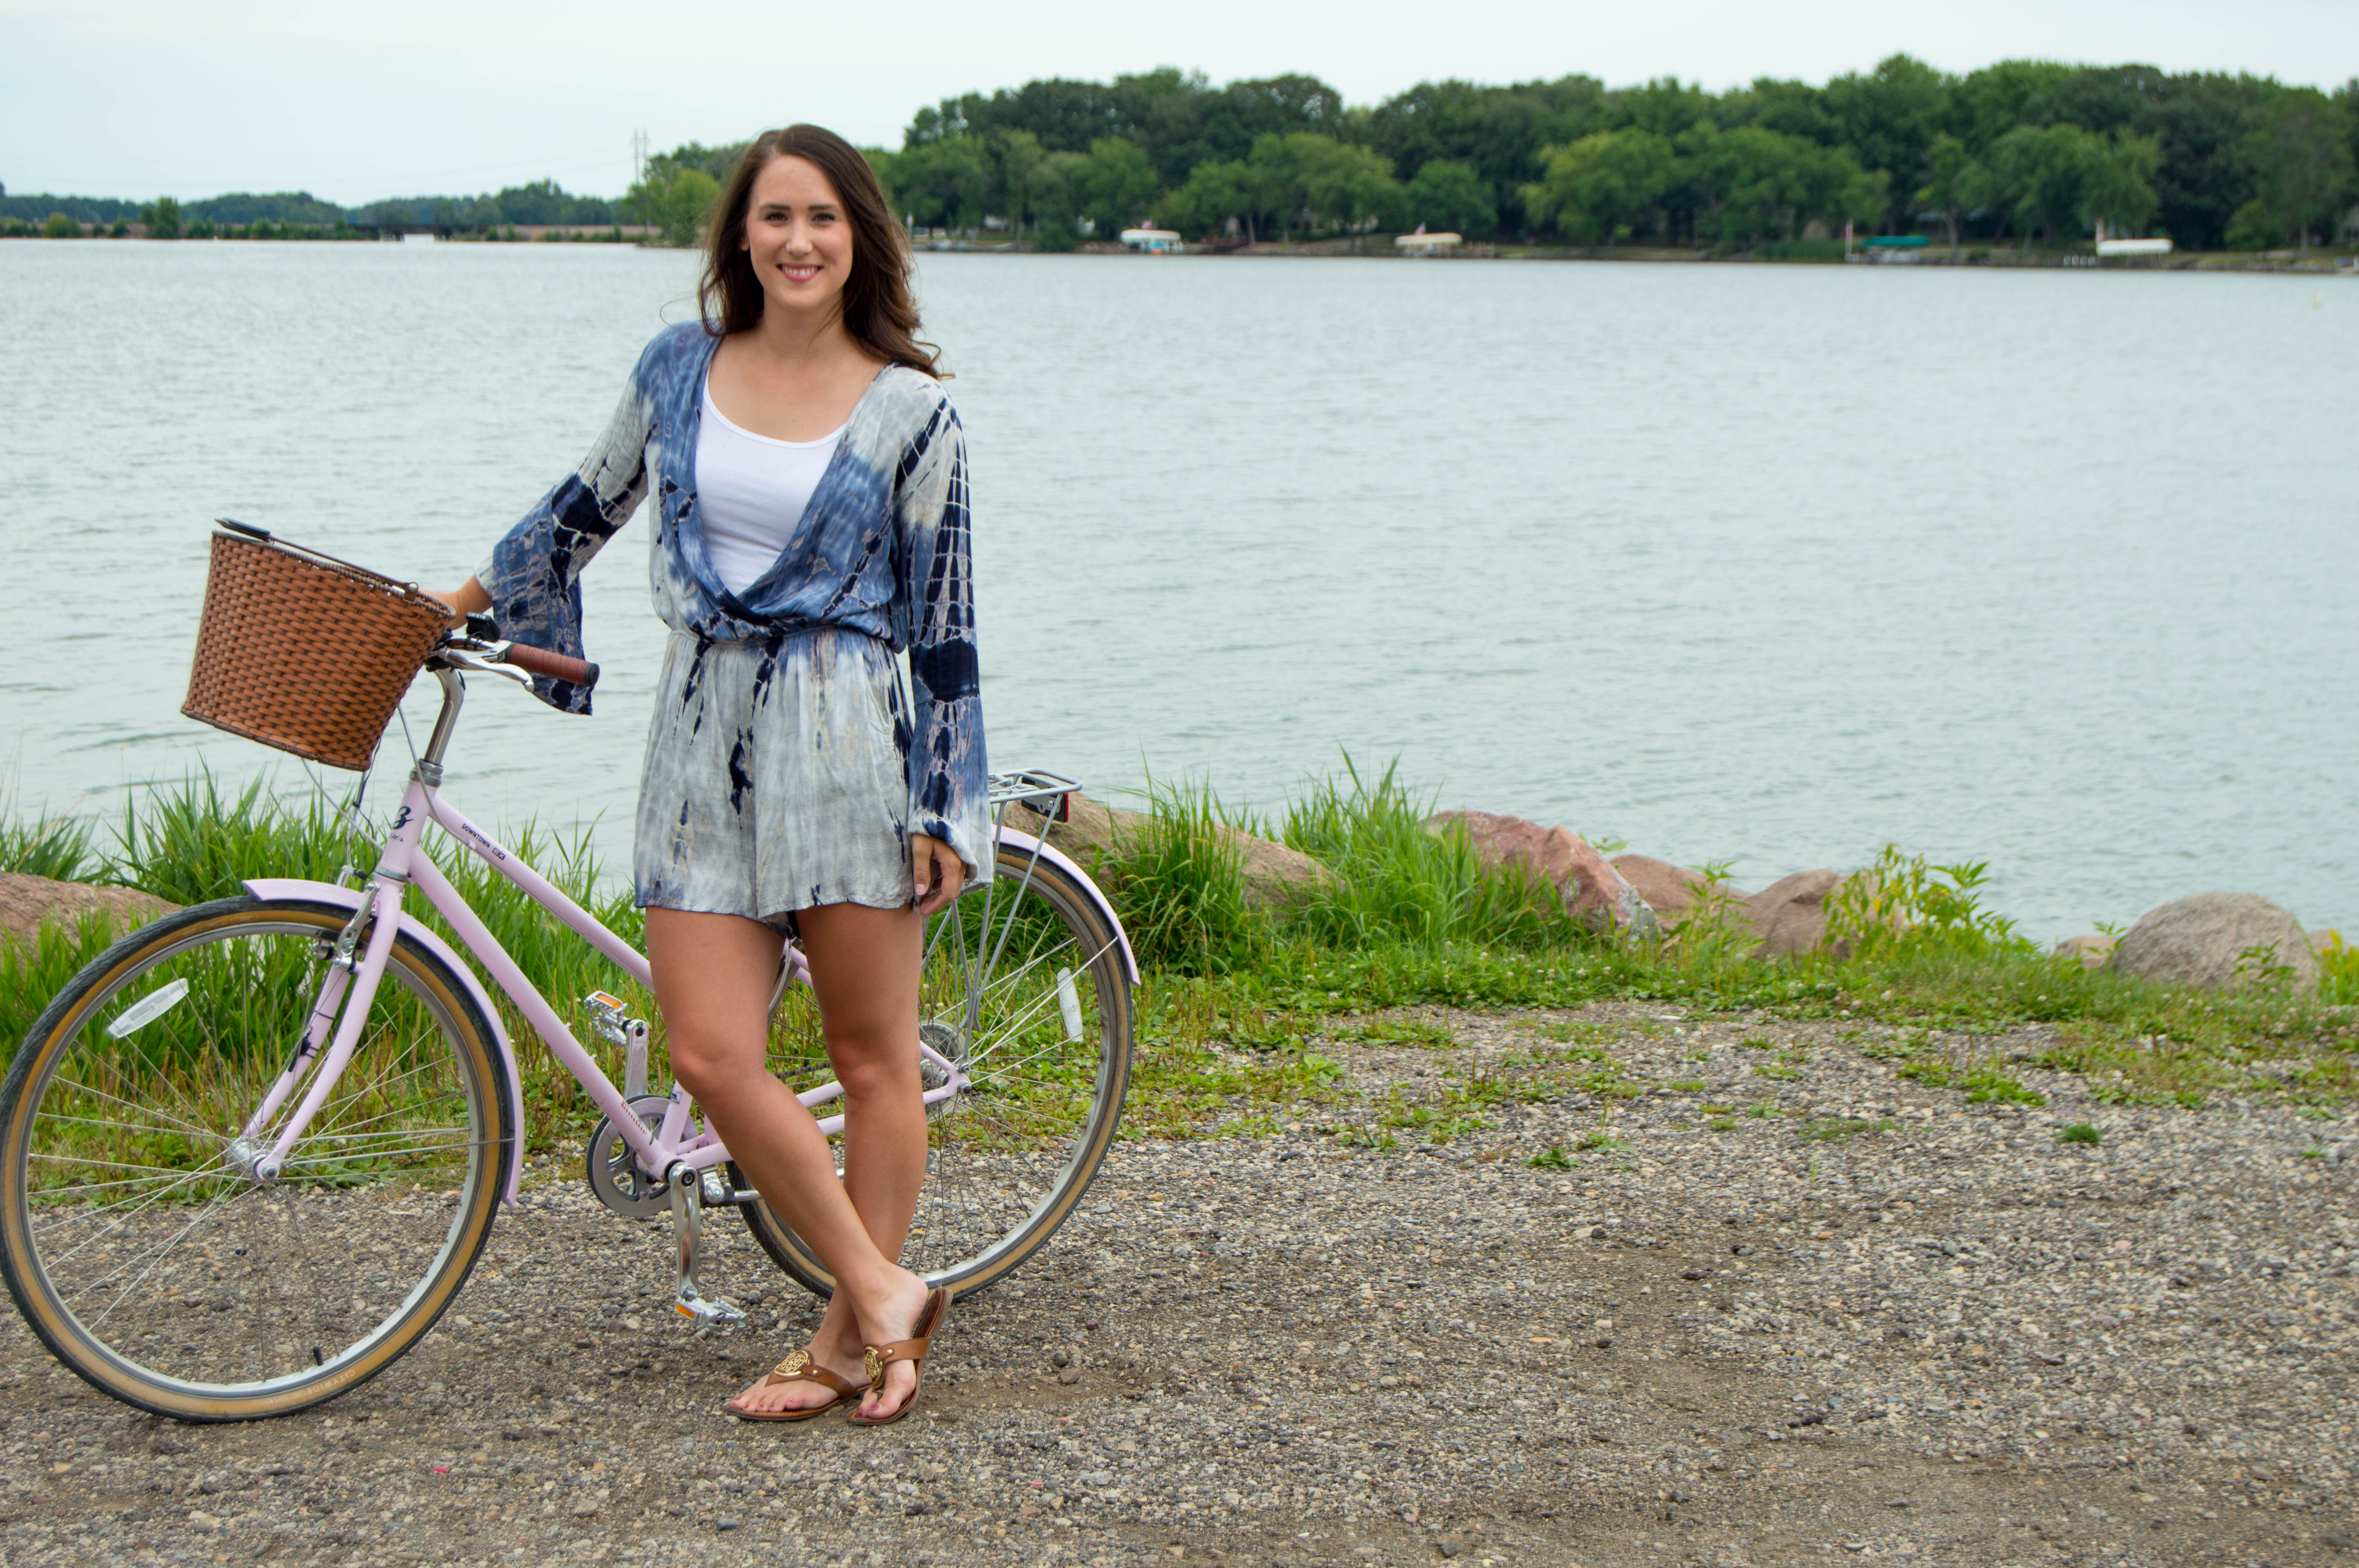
{"x":1034,"y":1134}
{"x":241,"y":1290}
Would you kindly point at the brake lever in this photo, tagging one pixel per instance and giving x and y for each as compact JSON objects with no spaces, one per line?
{"x":465,"y":659}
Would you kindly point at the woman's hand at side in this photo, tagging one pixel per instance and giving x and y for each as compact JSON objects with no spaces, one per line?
{"x":936,"y":873}
{"x":470,"y":599}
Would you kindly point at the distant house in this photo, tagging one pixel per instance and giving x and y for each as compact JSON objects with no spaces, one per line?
{"x":1151,"y":241}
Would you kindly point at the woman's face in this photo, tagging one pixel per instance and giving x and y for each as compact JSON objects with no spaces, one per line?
{"x":797,"y":236}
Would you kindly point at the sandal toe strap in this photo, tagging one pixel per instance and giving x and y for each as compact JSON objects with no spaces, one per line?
{"x":798,"y":1368}
{"x":877,"y":1357}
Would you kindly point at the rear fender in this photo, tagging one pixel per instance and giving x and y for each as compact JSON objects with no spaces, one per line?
{"x":1064,"y":862}
{"x":350,"y":898}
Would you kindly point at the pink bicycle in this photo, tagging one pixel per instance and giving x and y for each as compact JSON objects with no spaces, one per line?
{"x":242,"y":1174}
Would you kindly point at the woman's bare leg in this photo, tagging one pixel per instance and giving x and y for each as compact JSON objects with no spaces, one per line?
{"x":715,"y":975}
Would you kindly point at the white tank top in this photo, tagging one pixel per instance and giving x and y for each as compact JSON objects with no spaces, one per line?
{"x":752,"y":492}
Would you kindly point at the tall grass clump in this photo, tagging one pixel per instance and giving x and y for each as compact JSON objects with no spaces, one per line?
{"x":191,"y":843}
{"x":1395,"y":881}
{"x":53,"y":846}
{"x":1179,"y":881}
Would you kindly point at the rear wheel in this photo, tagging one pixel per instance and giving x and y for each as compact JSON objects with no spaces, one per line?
{"x":133,"y":1243}
{"x":1026,"y":989}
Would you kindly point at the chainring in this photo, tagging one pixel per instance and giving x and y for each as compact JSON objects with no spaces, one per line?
{"x":615,"y":1174}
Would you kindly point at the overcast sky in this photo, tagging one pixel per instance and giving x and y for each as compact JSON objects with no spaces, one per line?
{"x":140,"y":98}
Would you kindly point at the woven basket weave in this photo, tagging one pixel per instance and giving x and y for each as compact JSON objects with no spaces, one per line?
{"x":306,"y":652}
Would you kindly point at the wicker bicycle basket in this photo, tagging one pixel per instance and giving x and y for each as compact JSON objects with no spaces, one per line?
{"x":304,"y":652}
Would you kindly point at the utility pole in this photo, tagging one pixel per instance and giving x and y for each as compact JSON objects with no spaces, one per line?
{"x":638,"y":155}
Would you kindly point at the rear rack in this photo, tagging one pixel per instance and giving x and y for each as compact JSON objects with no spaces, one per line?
{"x":1047,"y":795}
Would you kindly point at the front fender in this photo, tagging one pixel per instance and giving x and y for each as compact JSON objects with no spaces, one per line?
{"x":350,"y":898}
{"x":1064,"y":864}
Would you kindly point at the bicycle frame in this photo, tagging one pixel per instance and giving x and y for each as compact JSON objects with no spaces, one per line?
{"x":352,"y":980}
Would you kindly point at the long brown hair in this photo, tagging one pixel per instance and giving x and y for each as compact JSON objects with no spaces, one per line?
{"x":878,"y":309}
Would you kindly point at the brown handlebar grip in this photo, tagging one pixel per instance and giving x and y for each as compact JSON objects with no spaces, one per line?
{"x":556,"y":666}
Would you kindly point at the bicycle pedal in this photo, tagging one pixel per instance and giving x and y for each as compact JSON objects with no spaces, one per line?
{"x":709,"y":1312}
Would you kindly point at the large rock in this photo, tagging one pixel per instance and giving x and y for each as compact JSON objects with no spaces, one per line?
{"x":2216,"y":939}
{"x":1790,"y":915}
{"x":1592,"y":889}
{"x":28,"y":901}
{"x":2094,"y":952}
{"x":1670,"y":890}
{"x":1273,"y":873}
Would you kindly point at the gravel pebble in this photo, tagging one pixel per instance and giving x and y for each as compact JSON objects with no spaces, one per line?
{"x":1940,"y":1336}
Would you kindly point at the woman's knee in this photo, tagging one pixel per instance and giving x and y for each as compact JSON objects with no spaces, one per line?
{"x":705,"y":1063}
{"x":870,"y":1066}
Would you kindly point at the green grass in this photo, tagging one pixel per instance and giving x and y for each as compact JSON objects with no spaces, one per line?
{"x":1238,"y":992}
{"x":2079,"y":1132}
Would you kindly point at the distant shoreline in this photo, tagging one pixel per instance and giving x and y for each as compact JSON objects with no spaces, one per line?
{"x":2319,"y":263}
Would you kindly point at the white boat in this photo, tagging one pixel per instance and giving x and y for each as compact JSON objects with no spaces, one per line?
{"x":2133,"y":248}
{"x":1424,"y":244}
{"x":1152,"y":241}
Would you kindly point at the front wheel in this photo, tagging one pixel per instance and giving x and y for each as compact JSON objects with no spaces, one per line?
{"x":1025,"y":989}
{"x":133,"y":1243}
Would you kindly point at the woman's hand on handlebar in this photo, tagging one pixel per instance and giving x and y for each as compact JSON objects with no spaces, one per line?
{"x":936,"y":874}
{"x":470,"y":599}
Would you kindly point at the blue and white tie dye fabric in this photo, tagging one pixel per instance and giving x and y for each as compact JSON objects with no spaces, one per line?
{"x":881,"y":551}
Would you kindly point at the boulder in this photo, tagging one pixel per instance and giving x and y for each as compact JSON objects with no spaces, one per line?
{"x":2215,"y":939}
{"x":1790,"y":915}
{"x":1670,"y":890}
{"x":28,"y":901}
{"x":1273,"y":873}
{"x":1592,"y":889}
{"x":2094,"y":952}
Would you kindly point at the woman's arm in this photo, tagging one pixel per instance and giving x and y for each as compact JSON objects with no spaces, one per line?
{"x":934,"y":609}
{"x":532,"y":584}
{"x":469,"y":598}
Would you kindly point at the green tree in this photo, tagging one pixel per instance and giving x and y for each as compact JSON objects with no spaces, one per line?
{"x":1018,"y":155}
{"x":945,"y":183}
{"x":2117,"y":186}
{"x":61,"y":227}
{"x":1118,"y":186}
{"x":1762,"y":181}
{"x":2037,"y":176}
{"x":1448,"y":195}
{"x":1891,"y":119}
{"x":1950,"y":174}
{"x":1273,"y":180}
{"x":2299,"y":150}
{"x":675,"y":201}
{"x":162,"y":217}
{"x":1215,"y":193}
{"x":1057,"y":199}
{"x":1606,"y":183}
{"x":2253,"y":227}
{"x":1346,"y":187}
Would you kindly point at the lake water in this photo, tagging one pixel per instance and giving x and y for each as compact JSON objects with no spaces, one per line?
{"x":1764,"y":565}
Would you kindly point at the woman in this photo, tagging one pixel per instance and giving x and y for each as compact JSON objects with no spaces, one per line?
{"x":811,"y":517}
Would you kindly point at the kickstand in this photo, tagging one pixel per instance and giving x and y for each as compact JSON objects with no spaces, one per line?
{"x":689,"y":1299}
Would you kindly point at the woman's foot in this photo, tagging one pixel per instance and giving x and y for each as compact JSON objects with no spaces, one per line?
{"x":900,"y":1317}
{"x":836,"y":1347}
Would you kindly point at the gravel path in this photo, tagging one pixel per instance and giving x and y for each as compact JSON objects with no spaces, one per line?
{"x":1937,"y":1336}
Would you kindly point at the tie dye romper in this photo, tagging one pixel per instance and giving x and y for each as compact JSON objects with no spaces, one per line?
{"x":784,"y":769}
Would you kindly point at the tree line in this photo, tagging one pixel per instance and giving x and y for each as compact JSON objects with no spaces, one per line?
{"x":2019,"y":150}
{"x":540,"y":202}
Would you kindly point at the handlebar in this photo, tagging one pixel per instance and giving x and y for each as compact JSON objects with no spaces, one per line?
{"x":556,"y":666}
{"x":469,"y":651}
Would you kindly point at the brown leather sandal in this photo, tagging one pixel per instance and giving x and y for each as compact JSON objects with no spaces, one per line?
{"x":798,"y":1368}
{"x":912,"y":1350}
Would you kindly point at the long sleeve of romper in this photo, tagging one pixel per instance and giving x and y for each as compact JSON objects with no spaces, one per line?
{"x":535,"y":569}
{"x":949,"y":775}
